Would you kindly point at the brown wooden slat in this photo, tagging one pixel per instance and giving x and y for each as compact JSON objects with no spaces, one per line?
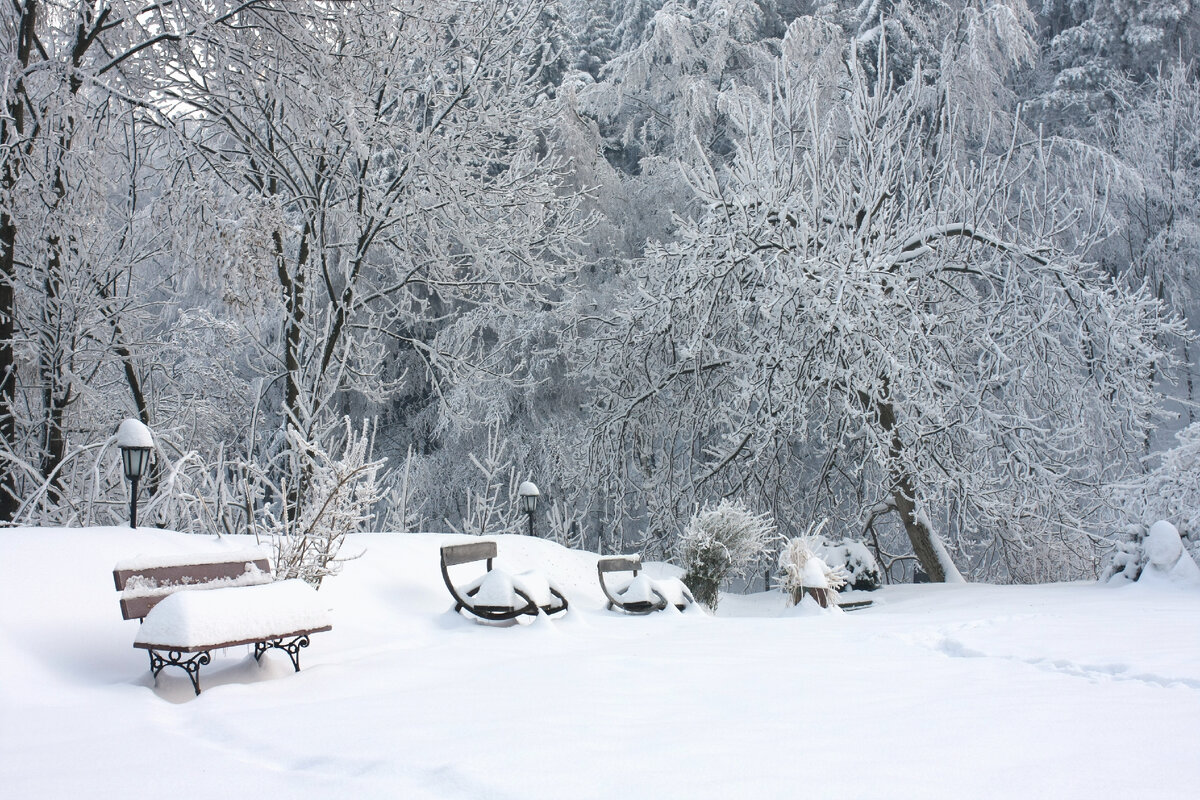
{"x":139,"y":607}
{"x":189,"y":573}
{"x":463,"y":553}
{"x":619,"y":564}
{"x":198,"y":648}
{"x":188,"y":576}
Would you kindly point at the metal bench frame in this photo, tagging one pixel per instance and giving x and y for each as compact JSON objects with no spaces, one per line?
{"x":455,"y":554}
{"x":633,"y":564}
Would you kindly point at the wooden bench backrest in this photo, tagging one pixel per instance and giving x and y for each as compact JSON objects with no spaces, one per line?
{"x":464,"y":553}
{"x":173,"y":578}
{"x":619,"y":564}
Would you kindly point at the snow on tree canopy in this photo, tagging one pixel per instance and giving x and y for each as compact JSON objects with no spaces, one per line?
{"x":242,"y":613}
{"x":133,"y":433}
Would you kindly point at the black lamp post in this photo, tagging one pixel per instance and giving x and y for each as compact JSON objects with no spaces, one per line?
{"x":135,"y":442}
{"x":529,"y":495}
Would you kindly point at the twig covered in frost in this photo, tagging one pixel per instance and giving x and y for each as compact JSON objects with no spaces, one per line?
{"x":331,"y":496}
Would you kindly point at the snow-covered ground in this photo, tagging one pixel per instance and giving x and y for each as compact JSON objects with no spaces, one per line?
{"x":962,"y":691}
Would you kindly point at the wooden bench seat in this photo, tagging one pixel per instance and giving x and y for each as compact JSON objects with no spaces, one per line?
{"x":192,"y":605}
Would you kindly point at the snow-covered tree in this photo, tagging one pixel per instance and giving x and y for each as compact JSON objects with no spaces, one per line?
{"x":660,"y":95}
{"x":488,"y":503}
{"x":1156,"y":168}
{"x":403,"y":205}
{"x":76,"y":143}
{"x":1171,"y":490}
{"x":874,"y":315}
{"x":1099,"y":45}
{"x":970,"y":48}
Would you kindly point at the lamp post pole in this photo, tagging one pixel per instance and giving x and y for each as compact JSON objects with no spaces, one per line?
{"x":133,"y":487}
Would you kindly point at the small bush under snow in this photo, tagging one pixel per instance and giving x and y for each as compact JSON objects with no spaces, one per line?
{"x":1152,"y":554}
{"x":854,"y":559}
{"x":1171,"y":491}
{"x":804,"y":569}
{"x":719,"y":543}
{"x":849,"y":558}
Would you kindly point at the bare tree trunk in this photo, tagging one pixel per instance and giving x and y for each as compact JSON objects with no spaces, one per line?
{"x":12,"y":133}
{"x":918,"y":531}
{"x":904,"y":500}
{"x":292,"y":284}
{"x":8,"y":364}
{"x":56,"y":392}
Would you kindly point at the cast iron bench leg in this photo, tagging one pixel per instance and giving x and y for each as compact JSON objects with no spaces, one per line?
{"x":175,"y":658}
{"x":292,"y":648}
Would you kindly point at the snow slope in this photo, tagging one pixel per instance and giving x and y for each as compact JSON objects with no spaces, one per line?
{"x":1065,"y":691}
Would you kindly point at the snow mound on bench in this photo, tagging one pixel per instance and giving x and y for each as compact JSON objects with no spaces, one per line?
{"x":674,"y":590}
{"x":189,"y":619}
{"x":155,"y":561}
{"x":496,"y":591}
{"x":142,"y":586}
{"x":640,"y":590}
{"x":535,"y":585}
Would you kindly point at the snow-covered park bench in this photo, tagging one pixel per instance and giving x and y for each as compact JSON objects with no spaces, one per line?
{"x":642,"y":595}
{"x":497,"y":596}
{"x":192,"y":605}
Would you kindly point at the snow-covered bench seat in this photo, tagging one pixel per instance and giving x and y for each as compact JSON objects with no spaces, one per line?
{"x":642,"y":595}
{"x":497,"y":596}
{"x":190,"y":606}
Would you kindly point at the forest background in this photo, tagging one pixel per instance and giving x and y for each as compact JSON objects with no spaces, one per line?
{"x":921,"y":272}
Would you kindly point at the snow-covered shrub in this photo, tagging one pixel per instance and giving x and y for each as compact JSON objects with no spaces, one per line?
{"x":1156,"y":552}
{"x":1167,"y":561}
{"x":489,"y":503}
{"x":854,"y":559}
{"x":400,"y":509}
{"x":329,"y":496}
{"x":1127,"y":559}
{"x":719,"y":543}
{"x":1170,"y":491}
{"x":804,"y":568}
